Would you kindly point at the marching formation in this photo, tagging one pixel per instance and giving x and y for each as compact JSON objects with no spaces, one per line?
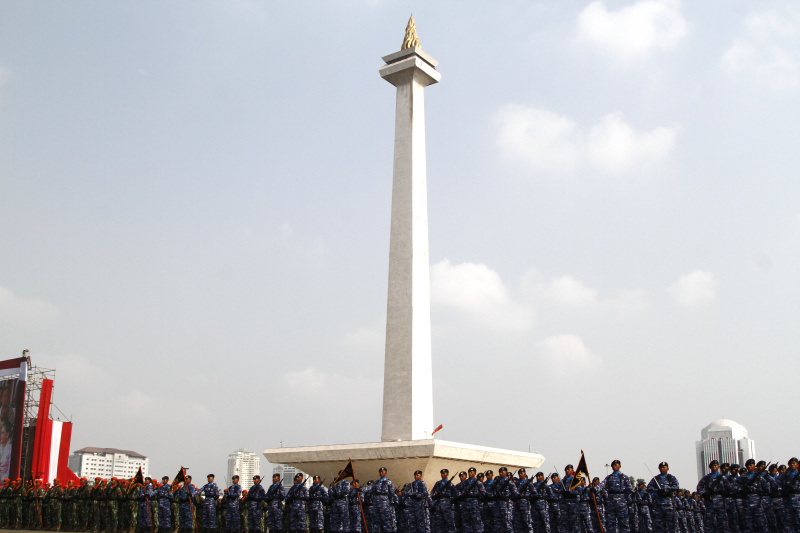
{"x":756,"y":498}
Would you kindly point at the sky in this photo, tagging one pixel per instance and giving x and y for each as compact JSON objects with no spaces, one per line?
{"x":194,"y":222}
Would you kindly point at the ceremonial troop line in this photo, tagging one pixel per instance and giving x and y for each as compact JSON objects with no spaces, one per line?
{"x":758,"y":498}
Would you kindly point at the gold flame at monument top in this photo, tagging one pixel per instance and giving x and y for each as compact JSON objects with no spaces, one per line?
{"x":411,"y":38}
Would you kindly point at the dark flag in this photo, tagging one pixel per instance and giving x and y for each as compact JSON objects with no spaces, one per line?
{"x":347,"y":472}
{"x":139,"y":477}
{"x":580,"y":472}
{"x":180,"y":477}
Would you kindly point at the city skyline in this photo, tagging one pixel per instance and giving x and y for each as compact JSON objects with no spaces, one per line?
{"x":195,"y":193}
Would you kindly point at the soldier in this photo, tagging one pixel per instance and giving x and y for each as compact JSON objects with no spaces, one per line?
{"x":184,"y":495}
{"x":5,"y":497}
{"x":680,"y":512}
{"x":751,"y":486}
{"x":15,"y":512}
{"x":382,"y":493}
{"x":643,"y":502}
{"x":165,"y":498}
{"x":470,"y":491}
{"x":356,"y":504}
{"x":274,"y":498}
{"x":569,"y":501}
{"x":144,"y":494}
{"x":232,"y":513}
{"x":317,"y":499}
{"x":554,"y":502}
{"x":778,"y":508}
{"x":789,"y":482}
{"x":712,"y":488}
{"x":296,"y":499}
{"x":585,"y":506}
{"x":339,"y":520}
{"x":442,"y":509}
{"x":597,"y":503}
{"x":540,"y":495}
{"x":54,"y":498}
{"x":253,"y":498}
{"x":661,"y":488}
{"x":618,"y":488}
{"x":736,"y":500}
{"x":210,"y":491}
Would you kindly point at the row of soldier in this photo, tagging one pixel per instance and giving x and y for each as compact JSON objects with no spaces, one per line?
{"x":757,"y":498}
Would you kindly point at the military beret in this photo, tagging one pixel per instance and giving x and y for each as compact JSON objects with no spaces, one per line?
{"x":761,"y":463}
{"x":444,"y":471}
{"x":462,"y":473}
{"x":793,"y":460}
{"x":489,"y":472}
{"x":539,"y":474}
{"x":616,"y":462}
{"x":725,"y":465}
{"x":166,"y":478}
{"x":503,"y":469}
{"x":712,"y":463}
{"x":734,"y":466}
{"x":418,"y":472}
{"x":210,"y":475}
{"x":235,"y":476}
{"x":596,"y":479}
{"x":568,"y":467}
{"x":750,"y":462}
{"x":663,"y":463}
{"x":472,"y":468}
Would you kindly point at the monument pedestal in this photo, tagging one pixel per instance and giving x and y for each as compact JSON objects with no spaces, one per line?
{"x":401,"y":458}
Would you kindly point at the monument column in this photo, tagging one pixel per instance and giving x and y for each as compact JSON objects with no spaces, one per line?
{"x":408,"y":381}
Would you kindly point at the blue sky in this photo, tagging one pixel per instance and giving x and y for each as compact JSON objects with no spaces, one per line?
{"x":195,"y":200}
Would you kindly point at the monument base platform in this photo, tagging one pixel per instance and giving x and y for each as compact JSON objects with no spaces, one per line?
{"x":401,"y":458}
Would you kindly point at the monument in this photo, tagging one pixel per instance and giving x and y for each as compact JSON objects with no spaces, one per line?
{"x":406,"y":436}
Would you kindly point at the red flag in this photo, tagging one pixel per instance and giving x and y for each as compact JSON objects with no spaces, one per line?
{"x":437,"y":429}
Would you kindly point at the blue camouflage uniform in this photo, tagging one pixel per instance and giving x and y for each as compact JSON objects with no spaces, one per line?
{"x":778,"y":508}
{"x":417,"y":505}
{"x":339,"y":512}
{"x":355,"y":502}
{"x":184,"y":496}
{"x":751,"y":487}
{"x":597,"y":505}
{"x":618,"y":487}
{"x":661,"y":488}
{"x":569,"y":506}
{"x":712,"y":488}
{"x":554,"y":502}
{"x":469,"y":493}
{"x":232,"y":511}
{"x":643,"y":501}
{"x":443,"y":518}
{"x":144,"y":496}
{"x":486,"y":505}
{"x":164,"y":493}
{"x":733,"y":501}
{"x":382,"y":497}
{"x":296,"y":498}
{"x":585,"y":510}
{"x":317,"y":499}
{"x":254,"y":498}
{"x":521,"y":518}
{"x":211,"y":493}
{"x":680,"y":513}
{"x":789,"y":482}
{"x":503,"y":490}
{"x":541,"y":496}
{"x":274,"y":498}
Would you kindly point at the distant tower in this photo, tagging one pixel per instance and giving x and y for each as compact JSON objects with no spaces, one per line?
{"x":244,"y":464}
{"x":407,"y":375}
{"x":723,"y":440}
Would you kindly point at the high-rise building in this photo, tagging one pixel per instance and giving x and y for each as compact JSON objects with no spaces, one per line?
{"x":723,"y":440}
{"x":244,"y":464}
{"x":107,"y":463}
{"x":287,"y":473}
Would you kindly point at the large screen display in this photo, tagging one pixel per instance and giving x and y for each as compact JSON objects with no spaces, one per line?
{"x":13,"y":376}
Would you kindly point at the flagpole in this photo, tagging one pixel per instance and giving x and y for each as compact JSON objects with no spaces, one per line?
{"x":358,"y":494}
{"x":596,"y":510}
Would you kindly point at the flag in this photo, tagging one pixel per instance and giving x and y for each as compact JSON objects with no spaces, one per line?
{"x":437,"y":429}
{"x":180,"y":477}
{"x":139,"y":477}
{"x":347,"y":472}
{"x":579,"y":472}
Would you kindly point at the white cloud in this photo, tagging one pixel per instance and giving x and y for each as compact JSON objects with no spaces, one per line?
{"x":568,"y":291}
{"x":25,"y":312}
{"x":767,"y":53}
{"x":635,"y":31}
{"x":566,"y":354}
{"x":478,"y":292}
{"x":541,"y":140}
{"x":696,"y":288}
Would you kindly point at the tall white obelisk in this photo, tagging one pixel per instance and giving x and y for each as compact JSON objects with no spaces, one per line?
{"x":406,"y":441}
{"x":407,"y":375}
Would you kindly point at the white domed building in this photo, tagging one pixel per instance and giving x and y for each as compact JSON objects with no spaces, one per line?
{"x":723,"y":440}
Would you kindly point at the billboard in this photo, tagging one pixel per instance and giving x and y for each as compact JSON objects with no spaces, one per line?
{"x":13,"y":378}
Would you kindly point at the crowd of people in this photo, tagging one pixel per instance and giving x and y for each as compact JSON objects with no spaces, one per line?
{"x":756,"y":498}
